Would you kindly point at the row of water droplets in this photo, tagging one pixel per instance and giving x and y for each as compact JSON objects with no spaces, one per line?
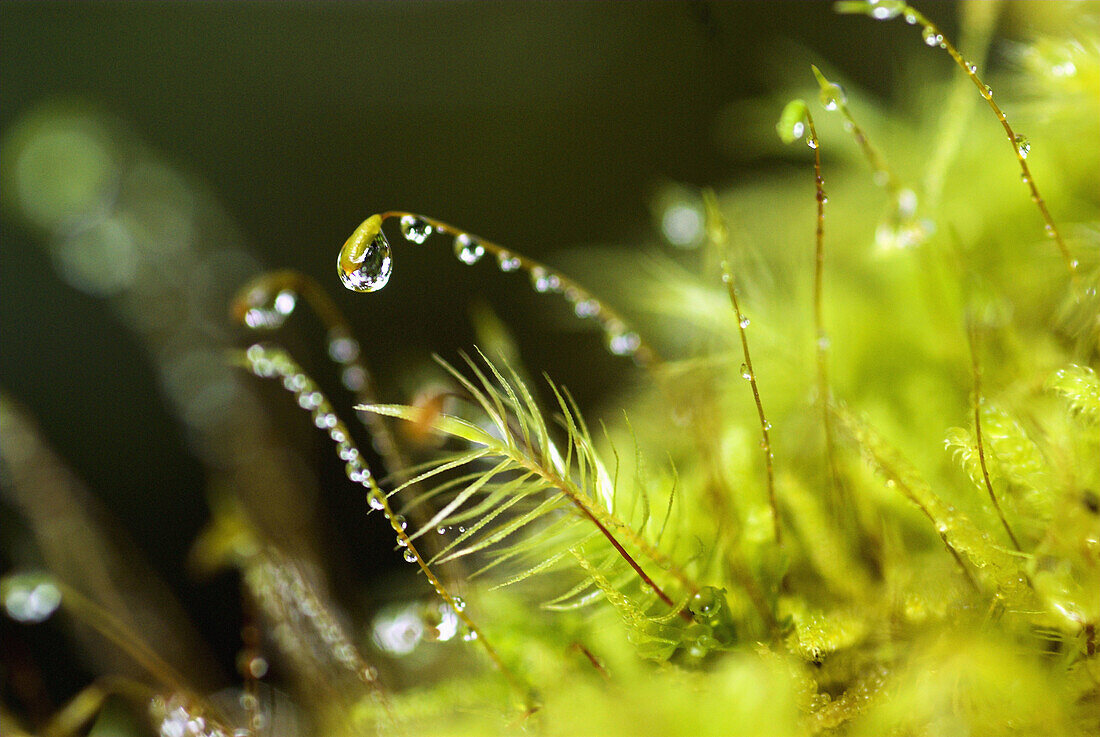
{"x":273,"y":362}
{"x":370,"y":269}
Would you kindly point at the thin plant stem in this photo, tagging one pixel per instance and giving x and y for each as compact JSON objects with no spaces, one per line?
{"x":976,"y":371}
{"x":268,"y":362}
{"x":750,"y":374}
{"x":821,"y":344}
{"x":263,"y":289}
{"x":934,"y":37}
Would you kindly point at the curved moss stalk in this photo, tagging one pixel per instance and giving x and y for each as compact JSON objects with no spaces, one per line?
{"x":129,"y":642}
{"x":747,"y":372}
{"x":365,"y":263}
{"x":1020,"y":145}
{"x":267,"y":300}
{"x":976,"y":372}
{"x":270,"y":362}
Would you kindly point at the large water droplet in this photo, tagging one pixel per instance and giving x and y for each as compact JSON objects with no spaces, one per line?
{"x":373,"y":269}
{"x":29,"y":597}
{"x":1023,"y":146}
{"x":745,"y":372}
{"x":468,"y":250}
{"x":375,"y":502}
{"x":744,"y":322}
{"x":409,"y":556}
{"x":415,"y":229}
{"x":507,"y":262}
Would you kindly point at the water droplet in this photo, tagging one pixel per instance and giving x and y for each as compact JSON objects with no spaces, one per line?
{"x":375,"y":502}
{"x":459,"y":604}
{"x":811,"y":142}
{"x":441,"y":530}
{"x":29,"y":597}
{"x":586,"y":308}
{"x":930,"y":36}
{"x":409,"y":556}
{"x":1025,"y":178}
{"x":342,"y":348}
{"x":833,"y":96}
{"x":791,"y":125}
{"x":911,"y":18}
{"x":545,"y":281}
{"x":973,"y":68}
{"x":468,"y":250}
{"x":907,"y":203}
{"x":373,"y":269}
{"x":507,"y":262}
{"x":415,"y":229}
{"x":886,"y":9}
{"x":823,"y":343}
{"x":400,"y":521}
{"x":623,"y":343}
{"x":767,"y":426}
{"x":1023,"y":146}
{"x":470,"y":636}
{"x":744,"y":323}
{"x":354,"y":377}
{"x":745,"y":372}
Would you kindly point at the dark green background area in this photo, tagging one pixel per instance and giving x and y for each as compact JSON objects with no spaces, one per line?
{"x":542,"y":126}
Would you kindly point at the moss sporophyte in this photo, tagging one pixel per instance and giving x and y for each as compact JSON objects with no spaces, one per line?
{"x":684,"y":565}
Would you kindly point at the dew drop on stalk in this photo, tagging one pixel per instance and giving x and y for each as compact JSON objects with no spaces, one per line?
{"x":623,"y":343}
{"x":886,"y":9}
{"x":467,"y":249}
{"x":544,"y":281}
{"x":375,"y":502}
{"x":342,"y":348}
{"x":586,"y":308}
{"x":400,"y":521}
{"x":459,"y":604}
{"x":29,"y":597}
{"x":745,"y":372}
{"x":930,"y":36}
{"x":1023,"y":146}
{"x":744,"y":323}
{"x":833,"y":96}
{"x":415,"y":229}
{"x":507,"y":262}
{"x":373,"y":266}
{"x":353,"y":378}
{"x":409,"y":556}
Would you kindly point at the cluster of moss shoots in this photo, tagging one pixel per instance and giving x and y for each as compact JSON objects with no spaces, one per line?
{"x":751,"y":599}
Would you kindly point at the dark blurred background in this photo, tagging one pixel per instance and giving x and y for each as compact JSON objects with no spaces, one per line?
{"x":542,"y":126}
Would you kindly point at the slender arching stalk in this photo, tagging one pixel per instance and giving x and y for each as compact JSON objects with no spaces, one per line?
{"x":365,"y":262}
{"x":268,"y":362}
{"x":976,"y":373}
{"x":1020,"y":145}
